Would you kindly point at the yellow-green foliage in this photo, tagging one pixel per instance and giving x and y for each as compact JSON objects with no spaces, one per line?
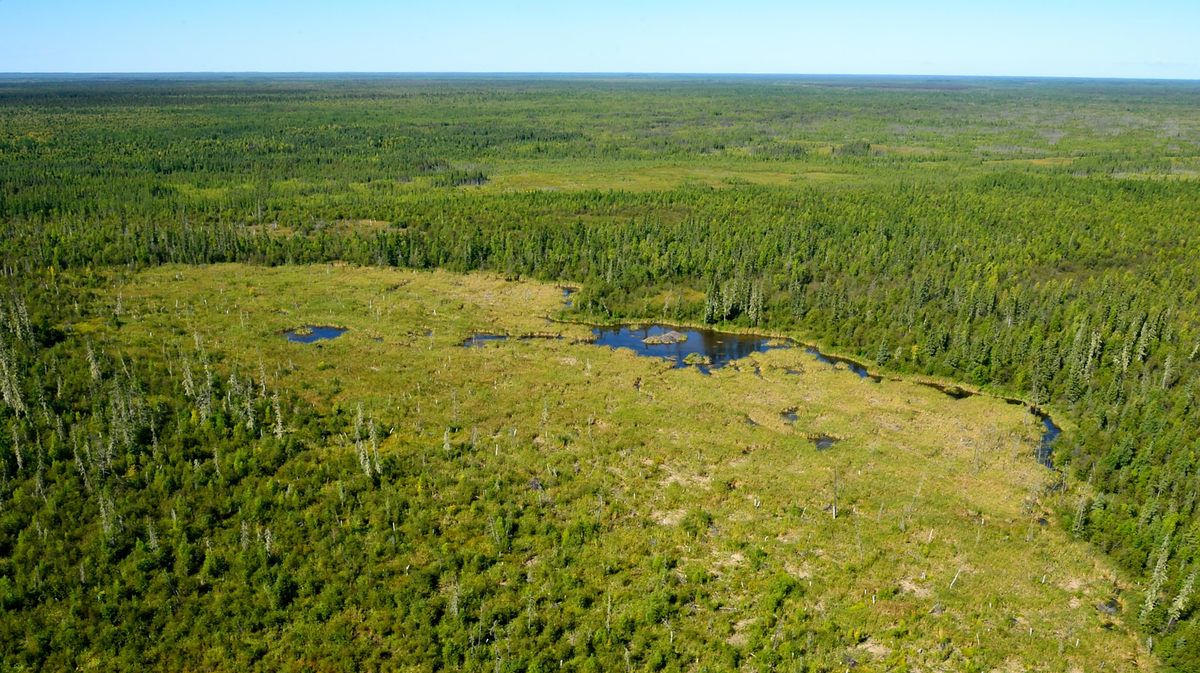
{"x":666,"y":518}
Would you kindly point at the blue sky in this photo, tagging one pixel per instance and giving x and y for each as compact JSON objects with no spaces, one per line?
{"x":1101,"y":38}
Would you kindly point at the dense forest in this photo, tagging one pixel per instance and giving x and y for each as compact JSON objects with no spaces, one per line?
{"x":1033,"y":238}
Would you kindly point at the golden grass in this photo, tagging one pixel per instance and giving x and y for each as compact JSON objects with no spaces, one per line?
{"x":939,"y":558}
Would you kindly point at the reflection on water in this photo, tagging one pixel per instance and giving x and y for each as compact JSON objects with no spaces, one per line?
{"x":1045,"y":447}
{"x":719,"y":348}
{"x":311,"y":333}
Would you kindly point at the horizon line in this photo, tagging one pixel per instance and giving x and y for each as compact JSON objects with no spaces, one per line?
{"x":568,"y":73}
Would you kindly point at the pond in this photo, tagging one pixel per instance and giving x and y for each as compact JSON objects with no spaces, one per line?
{"x":310,"y":333}
{"x":708,"y":349}
{"x":823,"y":442}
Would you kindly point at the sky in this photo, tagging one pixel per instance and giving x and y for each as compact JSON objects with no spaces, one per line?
{"x":1079,"y":38}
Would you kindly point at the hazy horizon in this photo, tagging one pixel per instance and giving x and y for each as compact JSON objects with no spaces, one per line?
{"x":1023,"y":38}
{"x":498,"y":74}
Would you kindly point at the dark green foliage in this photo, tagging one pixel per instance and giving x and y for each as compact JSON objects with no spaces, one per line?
{"x":458,"y":178}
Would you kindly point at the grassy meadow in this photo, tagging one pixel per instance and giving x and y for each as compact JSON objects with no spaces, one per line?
{"x":665,"y":516}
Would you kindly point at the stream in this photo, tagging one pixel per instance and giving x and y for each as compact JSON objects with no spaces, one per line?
{"x":717,"y":349}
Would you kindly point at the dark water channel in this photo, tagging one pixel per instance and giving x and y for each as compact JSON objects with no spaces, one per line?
{"x":859,"y":370}
{"x":1050,"y":431}
{"x":1045,"y":449}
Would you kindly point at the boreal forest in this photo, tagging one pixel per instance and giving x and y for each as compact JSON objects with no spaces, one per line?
{"x":466,"y":479}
